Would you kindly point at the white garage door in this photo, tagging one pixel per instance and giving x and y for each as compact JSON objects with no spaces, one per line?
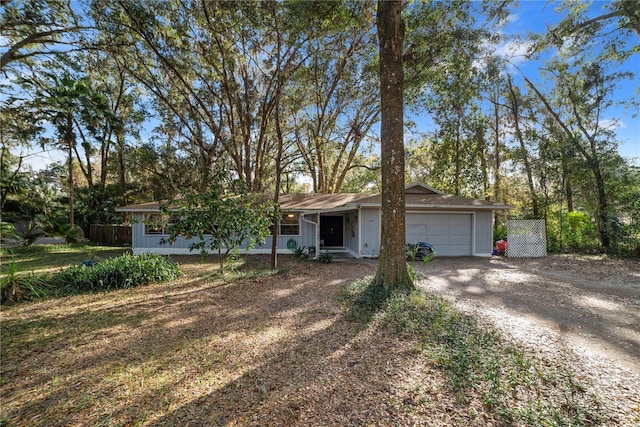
{"x":450,"y":234}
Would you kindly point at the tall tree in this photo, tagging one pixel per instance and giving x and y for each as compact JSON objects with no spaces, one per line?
{"x":339,"y":86}
{"x":38,"y":28}
{"x":392,"y":269}
{"x":515,"y":106}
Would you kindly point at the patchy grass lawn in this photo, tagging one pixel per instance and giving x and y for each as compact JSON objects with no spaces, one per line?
{"x":49,"y":258}
{"x":253,"y":347}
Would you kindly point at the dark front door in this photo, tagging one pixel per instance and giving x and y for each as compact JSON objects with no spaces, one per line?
{"x":331,"y":230}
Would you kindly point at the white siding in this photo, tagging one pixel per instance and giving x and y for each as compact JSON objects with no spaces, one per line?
{"x":484,"y":233}
{"x":370,"y":229}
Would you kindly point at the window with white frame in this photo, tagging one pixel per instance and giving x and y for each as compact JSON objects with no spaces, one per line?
{"x":156,"y":224}
{"x":290,"y":224}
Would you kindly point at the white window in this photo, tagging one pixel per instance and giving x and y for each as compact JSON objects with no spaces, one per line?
{"x":290,"y":224}
{"x":155,"y":224}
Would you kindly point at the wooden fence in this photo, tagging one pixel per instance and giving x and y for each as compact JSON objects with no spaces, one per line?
{"x":110,"y":234}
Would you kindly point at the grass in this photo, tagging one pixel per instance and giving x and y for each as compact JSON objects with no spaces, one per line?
{"x":49,"y":258}
{"x":475,"y":357}
{"x":85,"y":272}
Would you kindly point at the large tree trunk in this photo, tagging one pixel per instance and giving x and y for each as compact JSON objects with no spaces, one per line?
{"x":392,"y":270}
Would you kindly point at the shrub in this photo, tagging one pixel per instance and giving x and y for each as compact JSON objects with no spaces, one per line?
{"x":124,"y":272}
{"x":15,"y":287}
{"x":325,"y":258}
{"x":300,"y":252}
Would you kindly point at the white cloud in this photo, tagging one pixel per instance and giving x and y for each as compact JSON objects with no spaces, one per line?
{"x":513,"y":50}
{"x":612,"y":124}
{"x":513,"y":17}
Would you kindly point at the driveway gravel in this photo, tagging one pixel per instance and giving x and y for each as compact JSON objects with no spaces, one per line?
{"x":582,"y":312}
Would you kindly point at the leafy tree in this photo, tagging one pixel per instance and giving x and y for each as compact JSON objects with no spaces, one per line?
{"x":70,"y":105}
{"x":338,"y":89}
{"x":611,"y":29}
{"x":217,"y":220}
{"x":38,"y":28}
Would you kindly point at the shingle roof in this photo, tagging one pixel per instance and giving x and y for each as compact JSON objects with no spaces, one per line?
{"x":315,"y":201}
{"x":438,"y":201}
{"x":416,"y":196}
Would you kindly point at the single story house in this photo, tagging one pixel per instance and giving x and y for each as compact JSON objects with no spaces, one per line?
{"x":350,"y":223}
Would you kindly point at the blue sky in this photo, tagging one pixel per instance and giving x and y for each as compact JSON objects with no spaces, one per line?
{"x":537,"y":16}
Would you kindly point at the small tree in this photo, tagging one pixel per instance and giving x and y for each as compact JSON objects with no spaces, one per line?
{"x":216,"y":221}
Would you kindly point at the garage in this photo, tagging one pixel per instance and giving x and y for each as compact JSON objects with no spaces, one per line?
{"x":449,"y":233}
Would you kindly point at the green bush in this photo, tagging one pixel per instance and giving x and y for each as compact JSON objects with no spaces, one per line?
{"x":126,"y":271}
{"x":15,"y":287}
{"x":300,"y":252}
{"x":123,"y":272}
{"x":325,"y":258}
{"x":572,"y":232}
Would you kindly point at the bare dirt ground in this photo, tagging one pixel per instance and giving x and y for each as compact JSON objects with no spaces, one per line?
{"x":583,"y":312}
{"x":278,"y":350}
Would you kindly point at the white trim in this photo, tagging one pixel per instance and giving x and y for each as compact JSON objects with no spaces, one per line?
{"x":359,"y":217}
{"x":315,"y":244}
{"x":186,"y":251}
{"x":144,"y":225}
{"x":421,"y":185}
{"x":473,"y":234}
{"x":352,"y":253}
{"x":279,"y":223}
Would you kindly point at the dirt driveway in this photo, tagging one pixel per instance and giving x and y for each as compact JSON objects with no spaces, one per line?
{"x":582,"y":311}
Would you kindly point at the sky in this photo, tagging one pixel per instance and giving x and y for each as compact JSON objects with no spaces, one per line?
{"x":532,"y":16}
{"x":537,"y":16}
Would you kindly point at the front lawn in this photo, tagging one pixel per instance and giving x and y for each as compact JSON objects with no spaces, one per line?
{"x":49,"y":258}
{"x":257,"y":347}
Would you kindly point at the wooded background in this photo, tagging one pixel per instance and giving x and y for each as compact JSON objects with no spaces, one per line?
{"x":147,"y":98}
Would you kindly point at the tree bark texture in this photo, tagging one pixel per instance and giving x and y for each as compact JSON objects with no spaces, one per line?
{"x":392,"y":270}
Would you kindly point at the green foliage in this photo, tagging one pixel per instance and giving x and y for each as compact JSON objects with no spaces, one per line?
{"x":217,"y":221}
{"x":364,"y":299}
{"x":123,"y":272}
{"x":413,"y":274}
{"x":473,"y":355}
{"x":15,"y":287}
{"x":31,"y":233}
{"x":499,"y":232}
{"x":412,"y":252}
{"x":300,"y":252}
{"x":572,"y":232}
{"x":8,"y":231}
{"x":53,"y":227}
{"x":326,"y":257}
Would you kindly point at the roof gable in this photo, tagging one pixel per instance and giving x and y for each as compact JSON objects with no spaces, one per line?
{"x":420,"y":188}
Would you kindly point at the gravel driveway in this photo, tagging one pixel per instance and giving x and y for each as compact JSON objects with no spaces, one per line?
{"x":580,"y":311}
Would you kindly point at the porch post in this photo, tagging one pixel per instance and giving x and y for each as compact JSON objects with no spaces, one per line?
{"x":359,"y":217}
{"x":317,"y":235}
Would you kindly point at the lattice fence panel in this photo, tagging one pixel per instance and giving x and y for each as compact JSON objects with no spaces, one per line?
{"x":527,"y":238}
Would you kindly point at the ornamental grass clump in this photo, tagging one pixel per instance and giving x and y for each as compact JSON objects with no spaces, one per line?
{"x":123,"y":272}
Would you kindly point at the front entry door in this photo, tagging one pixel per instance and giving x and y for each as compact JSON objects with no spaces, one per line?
{"x":332,"y":230}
